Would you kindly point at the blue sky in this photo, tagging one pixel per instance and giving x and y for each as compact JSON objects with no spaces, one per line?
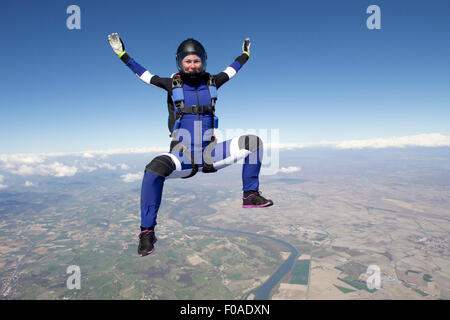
{"x":316,"y":72}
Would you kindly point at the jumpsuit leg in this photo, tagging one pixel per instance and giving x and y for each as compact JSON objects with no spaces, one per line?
{"x":151,"y":194}
{"x":153,"y":183}
{"x":250,"y":171}
{"x":228,"y":152}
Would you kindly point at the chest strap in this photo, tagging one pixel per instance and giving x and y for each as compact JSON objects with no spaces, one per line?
{"x":197,"y":109}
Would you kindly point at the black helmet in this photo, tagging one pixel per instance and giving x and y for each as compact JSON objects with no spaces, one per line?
{"x":187,"y":47}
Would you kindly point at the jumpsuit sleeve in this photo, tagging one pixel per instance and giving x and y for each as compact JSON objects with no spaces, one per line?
{"x":231,"y":70}
{"x":145,"y":75}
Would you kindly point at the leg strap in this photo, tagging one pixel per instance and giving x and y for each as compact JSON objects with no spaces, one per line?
{"x":180,"y":147}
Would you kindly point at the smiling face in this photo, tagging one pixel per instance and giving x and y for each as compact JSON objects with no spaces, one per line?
{"x":192,"y":64}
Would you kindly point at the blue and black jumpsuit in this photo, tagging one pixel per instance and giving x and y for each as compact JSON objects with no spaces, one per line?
{"x":193,"y":146}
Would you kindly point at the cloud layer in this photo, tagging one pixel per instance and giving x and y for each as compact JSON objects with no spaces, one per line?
{"x":289,"y":169}
{"x":70,"y":164}
{"x":421,"y":140}
{"x":131,"y":177}
{"x":55,"y":169}
{"x":2,"y":186}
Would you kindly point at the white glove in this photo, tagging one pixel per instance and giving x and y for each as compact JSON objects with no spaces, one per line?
{"x":116,"y":43}
{"x":246,"y":46}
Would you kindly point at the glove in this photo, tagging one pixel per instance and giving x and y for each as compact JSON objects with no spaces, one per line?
{"x":116,"y":44}
{"x":246,"y":46}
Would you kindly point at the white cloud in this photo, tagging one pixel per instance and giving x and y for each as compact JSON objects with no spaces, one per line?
{"x":106,"y":165}
{"x":109,"y":166}
{"x":43,"y":164}
{"x":40,"y":163}
{"x":105,"y":153}
{"x":421,"y":140}
{"x":123,"y":166}
{"x":9,"y":161}
{"x":88,"y":161}
{"x":29,"y":184}
{"x":289,"y":169}
{"x":60,"y":170}
{"x":103,"y":165}
{"x":56,"y":169}
{"x":2,"y":186}
{"x":24,"y":170}
{"x":87,"y":168}
{"x":88,"y":155}
{"x":131,"y":177}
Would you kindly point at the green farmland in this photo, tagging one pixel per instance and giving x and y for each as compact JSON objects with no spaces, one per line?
{"x":300,"y":272}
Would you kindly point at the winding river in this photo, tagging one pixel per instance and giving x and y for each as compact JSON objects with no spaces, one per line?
{"x":262,"y":292}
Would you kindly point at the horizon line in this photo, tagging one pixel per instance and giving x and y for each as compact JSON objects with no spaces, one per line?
{"x":429,"y":140}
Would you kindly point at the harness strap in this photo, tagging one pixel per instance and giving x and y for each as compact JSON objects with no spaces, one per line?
{"x":176,"y":145}
{"x":208,"y":161}
{"x":180,"y":109}
{"x":197,"y":109}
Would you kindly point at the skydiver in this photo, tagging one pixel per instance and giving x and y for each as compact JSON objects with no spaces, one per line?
{"x":191,"y":97}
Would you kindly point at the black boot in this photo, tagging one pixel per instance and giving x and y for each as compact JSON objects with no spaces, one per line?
{"x":254,"y":199}
{"x":147,"y":239}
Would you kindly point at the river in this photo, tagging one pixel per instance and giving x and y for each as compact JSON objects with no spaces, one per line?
{"x":263,"y":291}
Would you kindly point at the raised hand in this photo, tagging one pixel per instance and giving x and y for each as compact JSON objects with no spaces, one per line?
{"x":116,"y":43}
{"x":246,"y":46}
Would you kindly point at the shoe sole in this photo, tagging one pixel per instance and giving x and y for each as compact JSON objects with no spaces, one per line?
{"x":143,"y":255}
{"x":268,"y":204}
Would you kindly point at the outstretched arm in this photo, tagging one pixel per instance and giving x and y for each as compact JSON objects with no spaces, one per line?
{"x":233,"y":68}
{"x":119,"y":48}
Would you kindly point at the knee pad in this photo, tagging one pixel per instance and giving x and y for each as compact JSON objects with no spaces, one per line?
{"x":250,"y":142}
{"x":161,"y":165}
